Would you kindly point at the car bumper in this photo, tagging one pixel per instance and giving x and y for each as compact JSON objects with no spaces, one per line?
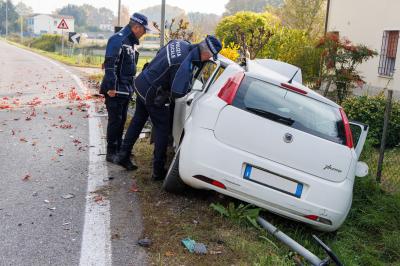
{"x":202,"y":154}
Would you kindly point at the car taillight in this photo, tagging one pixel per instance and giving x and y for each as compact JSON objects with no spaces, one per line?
{"x":210,"y":181}
{"x":230,"y":88}
{"x":318,"y":219}
{"x":293,"y":88}
{"x":347,"y":130}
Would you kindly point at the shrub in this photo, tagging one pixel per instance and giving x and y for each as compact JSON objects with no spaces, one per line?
{"x":230,"y":51}
{"x":297,"y":48}
{"x":370,"y":110}
{"x":46,"y":42}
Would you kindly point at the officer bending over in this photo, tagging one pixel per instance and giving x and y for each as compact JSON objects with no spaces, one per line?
{"x":117,"y":85}
{"x":168,"y":74}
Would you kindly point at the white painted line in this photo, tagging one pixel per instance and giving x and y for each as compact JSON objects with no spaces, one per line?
{"x":96,"y":238}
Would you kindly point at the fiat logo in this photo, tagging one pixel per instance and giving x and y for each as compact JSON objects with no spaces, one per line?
{"x":288,"y":138}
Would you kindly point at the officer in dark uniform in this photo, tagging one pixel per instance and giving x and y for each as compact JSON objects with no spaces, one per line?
{"x":117,"y":85}
{"x":168,"y":74}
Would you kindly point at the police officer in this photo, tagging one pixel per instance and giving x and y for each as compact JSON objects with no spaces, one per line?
{"x":168,"y":74}
{"x":117,"y":85}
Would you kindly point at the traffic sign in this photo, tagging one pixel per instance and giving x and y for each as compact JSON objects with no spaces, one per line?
{"x":74,"y":37}
{"x":63,"y":25}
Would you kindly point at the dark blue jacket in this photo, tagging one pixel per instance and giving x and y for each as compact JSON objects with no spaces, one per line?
{"x":120,"y":62}
{"x":171,"y":69}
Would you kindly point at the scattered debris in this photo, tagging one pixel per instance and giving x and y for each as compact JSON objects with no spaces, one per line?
{"x":68,"y":196}
{"x":145,"y":242}
{"x":51,"y":208}
{"x":193,"y":247}
{"x":134,"y":188}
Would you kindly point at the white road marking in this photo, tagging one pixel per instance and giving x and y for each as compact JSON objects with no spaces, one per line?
{"x":96,"y":237}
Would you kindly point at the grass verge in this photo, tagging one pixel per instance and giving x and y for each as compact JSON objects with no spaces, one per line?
{"x":370,"y":235}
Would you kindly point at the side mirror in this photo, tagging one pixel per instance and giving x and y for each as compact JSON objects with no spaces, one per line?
{"x":361,"y":169}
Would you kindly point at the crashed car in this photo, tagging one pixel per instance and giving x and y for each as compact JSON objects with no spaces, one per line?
{"x":256,"y":133}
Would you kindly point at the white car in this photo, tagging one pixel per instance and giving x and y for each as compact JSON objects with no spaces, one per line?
{"x":259,"y":135}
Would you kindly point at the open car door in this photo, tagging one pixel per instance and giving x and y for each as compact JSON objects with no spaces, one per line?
{"x":360,"y":132}
{"x":202,"y":78}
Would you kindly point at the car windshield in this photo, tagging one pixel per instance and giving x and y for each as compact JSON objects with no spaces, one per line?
{"x":290,"y":108}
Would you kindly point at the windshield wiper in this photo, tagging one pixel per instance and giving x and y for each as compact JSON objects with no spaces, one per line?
{"x":278,"y":118}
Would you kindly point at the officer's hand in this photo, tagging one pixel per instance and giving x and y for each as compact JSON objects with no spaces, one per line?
{"x":112,"y":93}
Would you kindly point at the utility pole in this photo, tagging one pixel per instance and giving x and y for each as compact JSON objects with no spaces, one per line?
{"x":6,"y":18}
{"x":328,"y":6}
{"x":22,"y":28}
{"x":162,"y":33}
{"x":119,"y":13}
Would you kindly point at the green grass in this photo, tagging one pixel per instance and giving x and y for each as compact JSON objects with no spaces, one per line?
{"x":369,"y":236}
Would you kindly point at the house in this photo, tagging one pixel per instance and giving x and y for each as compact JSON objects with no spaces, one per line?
{"x":377,"y":25}
{"x":43,"y":23}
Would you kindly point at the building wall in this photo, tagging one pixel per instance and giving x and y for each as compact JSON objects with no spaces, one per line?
{"x":363,"y":22}
{"x":48,"y":24}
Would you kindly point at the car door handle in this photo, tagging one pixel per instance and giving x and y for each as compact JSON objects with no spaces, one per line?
{"x":189,"y":102}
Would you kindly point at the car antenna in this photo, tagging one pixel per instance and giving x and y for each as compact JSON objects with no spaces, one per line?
{"x":291,"y":80}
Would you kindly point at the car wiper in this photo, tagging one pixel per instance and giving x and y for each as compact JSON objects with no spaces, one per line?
{"x":278,"y":118}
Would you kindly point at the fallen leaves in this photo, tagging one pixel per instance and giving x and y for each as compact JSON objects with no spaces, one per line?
{"x":59,"y":151}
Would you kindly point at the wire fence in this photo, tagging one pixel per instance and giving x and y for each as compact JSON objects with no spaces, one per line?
{"x":88,"y":56}
{"x":384,"y":160}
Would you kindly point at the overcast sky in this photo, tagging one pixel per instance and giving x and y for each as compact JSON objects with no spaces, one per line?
{"x":206,"y":6}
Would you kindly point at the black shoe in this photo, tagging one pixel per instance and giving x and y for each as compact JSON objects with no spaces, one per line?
{"x":110,"y":157}
{"x":123,"y":159}
{"x":159,"y":176}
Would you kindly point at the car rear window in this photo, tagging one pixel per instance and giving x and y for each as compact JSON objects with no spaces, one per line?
{"x":290,"y":108}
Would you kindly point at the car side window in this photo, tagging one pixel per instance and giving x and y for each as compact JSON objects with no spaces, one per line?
{"x":205,"y":74}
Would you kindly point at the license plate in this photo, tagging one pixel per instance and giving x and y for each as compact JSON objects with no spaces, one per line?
{"x":274,"y":181}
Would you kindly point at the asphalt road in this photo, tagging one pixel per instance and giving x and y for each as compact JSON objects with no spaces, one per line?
{"x":58,"y":205}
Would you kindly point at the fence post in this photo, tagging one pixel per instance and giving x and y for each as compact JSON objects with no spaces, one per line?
{"x":388,"y":110}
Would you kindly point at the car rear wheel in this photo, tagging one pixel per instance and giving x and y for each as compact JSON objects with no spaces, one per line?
{"x":173,"y":182}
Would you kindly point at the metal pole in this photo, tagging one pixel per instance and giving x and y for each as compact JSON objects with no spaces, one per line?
{"x":162,"y":33}
{"x":296,"y":247}
{"x":6,"y":18}
{"x":119,"y":13}
{"x":62,"y":42}
{"x":388,"y":110}
{"x":328,"y":6}
{"x":22,"y":26}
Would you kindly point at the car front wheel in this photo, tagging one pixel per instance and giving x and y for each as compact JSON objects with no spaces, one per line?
{"x":173,"y":182}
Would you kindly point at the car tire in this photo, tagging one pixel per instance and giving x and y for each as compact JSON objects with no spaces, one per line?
{"x":173,"y":182}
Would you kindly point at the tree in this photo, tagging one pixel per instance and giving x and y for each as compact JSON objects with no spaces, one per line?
{"x":307,"y":15}
{"x":171,"y":12}
{"x":125,"y":15}
{"x":177,"y":30}
{"x":13,"y":16}
{"x":203,"y":23}
{"x":250,"y":30}
{"x":297,"y":48}
{"x":77,"y":12}
{"x":234,"y":6}
{"x":341,"y":58}
{"x":23,"y":10}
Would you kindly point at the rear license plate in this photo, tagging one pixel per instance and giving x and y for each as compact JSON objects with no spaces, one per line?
{"x":273,"y":181}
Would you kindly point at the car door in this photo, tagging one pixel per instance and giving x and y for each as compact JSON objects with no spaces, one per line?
{"x":203,"y":78}
{"x":360,"y":132}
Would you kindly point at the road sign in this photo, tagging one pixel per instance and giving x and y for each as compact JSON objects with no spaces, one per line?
{"x":63,"y":25}
{"x":74,"y":37}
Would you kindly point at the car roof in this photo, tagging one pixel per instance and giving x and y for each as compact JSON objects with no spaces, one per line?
{"x":258,"y":70}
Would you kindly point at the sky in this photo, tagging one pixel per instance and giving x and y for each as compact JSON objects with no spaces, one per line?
{"x":205,"y":6}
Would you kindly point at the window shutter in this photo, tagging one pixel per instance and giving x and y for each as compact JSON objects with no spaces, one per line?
{"x":392,"y":44}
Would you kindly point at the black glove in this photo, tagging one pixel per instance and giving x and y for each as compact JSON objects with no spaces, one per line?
{"x":162,"y":97}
